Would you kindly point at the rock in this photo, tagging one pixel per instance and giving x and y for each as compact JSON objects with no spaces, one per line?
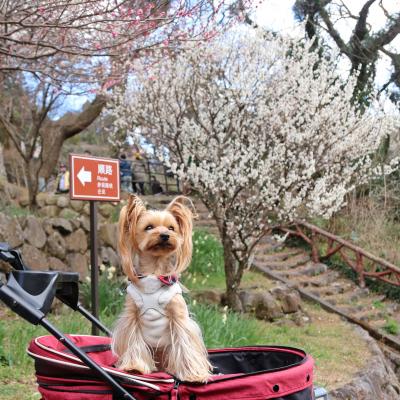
{"x":268,"y":308}
{"x":34,"y":258}
{"x":23,"y":199}
{"x":62,"y":202}
{"x":86,"y":209}
{"x":75,"y":224}
{"x":313,"y":269}
{"x":69,"y":214}
{"x":47,"y":227}
{"x":56,"y":264}
{"x":106,"y":210}
{"x":11,"y":231}
{"x":291,"y":302}
{"x":376,"y":380}
{"x":85,"y":222}
{"x":77,"y":241}
{"x":108,"y":235}
{"x":34,"y":233}
{"x":76,"y":205}
{"x":62,"y":225}
{"x":51,"y":199}
{"x":49,"y":211}
{"x":211,"y":296}
{"x":41,"y":199}
{"x":250,"y":299}
{"x":78,"y":263}
{"x":56,"y":245}
{"x":109,"y":257}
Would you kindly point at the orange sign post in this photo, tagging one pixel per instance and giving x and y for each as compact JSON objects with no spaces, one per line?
{"x":94,"y":179}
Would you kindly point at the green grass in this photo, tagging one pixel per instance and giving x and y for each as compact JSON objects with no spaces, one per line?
{"x":15,"y":211}
{"x":392,"y":327}
{"x":338,"y":351}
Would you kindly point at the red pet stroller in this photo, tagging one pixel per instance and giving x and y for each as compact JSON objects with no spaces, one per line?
{"x":73,"y":367}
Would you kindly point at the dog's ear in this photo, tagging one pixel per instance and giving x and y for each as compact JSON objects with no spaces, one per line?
{"x":182,"y":209}
{"x":127,"y":244}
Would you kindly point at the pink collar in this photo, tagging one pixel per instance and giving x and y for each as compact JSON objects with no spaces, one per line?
{"x":167,"y":280}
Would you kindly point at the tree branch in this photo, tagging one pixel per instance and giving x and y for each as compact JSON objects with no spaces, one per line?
{"x":73,"y":124}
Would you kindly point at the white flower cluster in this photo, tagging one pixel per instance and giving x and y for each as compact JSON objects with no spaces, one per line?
{"x":262,"y":127}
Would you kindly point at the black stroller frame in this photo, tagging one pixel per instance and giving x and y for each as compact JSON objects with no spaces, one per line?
{"x":30,"y":294}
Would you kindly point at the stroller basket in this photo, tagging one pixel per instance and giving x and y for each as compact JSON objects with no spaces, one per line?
{"x":78,"y":367}
{"x":240,"y":373}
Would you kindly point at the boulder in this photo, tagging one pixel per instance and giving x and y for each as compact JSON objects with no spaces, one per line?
{"x":56,"y":245}
{"x":51,"y":199}
{"x":62,"y":202}
{"x":376,"y":380}
{"x":76,"y":205}
{"x":268,"y":308}
{"x":11,"y":231}
{"x":109,"y":257}
{"x":23,"y":199}
{"x":250,"y":299}
{"x":106,"y":210}
{"x":47,"y":227}
{"x":62,"y":225}
{"x":108,"y":235}
{"x":291,"y":302}
{"x":56,"y":264}
{"x":77,"y":241}
{"x":86,"y":209}
{"x":78,"y":263}
{"x":49,"y":211}
{"x":34,"y":232}
{"x":69,"y":214}
{"x":210,"y":296}
{"x":41,"y":199}
{"x":85,"y":222}
{"x":34,"y":258}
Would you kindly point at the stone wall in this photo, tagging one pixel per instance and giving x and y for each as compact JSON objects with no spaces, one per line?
{"x":58,"y":238}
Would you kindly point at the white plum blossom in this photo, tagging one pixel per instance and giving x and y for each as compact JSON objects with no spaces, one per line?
{"x":262,"y":128}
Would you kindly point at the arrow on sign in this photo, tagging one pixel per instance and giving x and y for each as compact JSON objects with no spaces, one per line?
{"x":84,"y":176}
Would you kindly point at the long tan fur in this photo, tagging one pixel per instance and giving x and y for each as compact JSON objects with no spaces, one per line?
{"x":140,"y":233}
{"x":127,"y":244}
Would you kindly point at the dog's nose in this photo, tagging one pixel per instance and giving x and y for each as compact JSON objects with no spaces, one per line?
{"x":164,"y":237}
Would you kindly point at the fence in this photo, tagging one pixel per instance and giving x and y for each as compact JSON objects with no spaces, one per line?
{"x":361,"y":261}
{"x":152,"y":176}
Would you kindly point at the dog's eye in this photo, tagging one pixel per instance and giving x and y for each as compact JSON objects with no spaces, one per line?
{"x":149,"y":227}
{"x":171,"y":228}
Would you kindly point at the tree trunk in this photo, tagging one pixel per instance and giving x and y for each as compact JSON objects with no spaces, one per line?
{"x":233,"y":275}
{"x":54,"y":134}
{"x":32,"y":182}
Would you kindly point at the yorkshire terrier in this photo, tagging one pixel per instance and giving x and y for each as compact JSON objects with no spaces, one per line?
{"x":155,"y":331}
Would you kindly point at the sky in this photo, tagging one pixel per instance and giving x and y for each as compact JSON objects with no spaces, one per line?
{"x":277,"y":15}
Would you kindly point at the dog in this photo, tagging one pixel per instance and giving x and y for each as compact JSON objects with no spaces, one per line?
{"x":155,"y":331}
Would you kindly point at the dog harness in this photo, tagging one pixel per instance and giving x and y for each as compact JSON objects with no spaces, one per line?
{"x":151,"y":297}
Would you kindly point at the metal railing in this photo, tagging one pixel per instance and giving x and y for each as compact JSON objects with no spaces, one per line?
{"x":361,"y":261}
{"x":145,"y":172}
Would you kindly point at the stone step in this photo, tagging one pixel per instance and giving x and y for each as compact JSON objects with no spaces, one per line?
{"x":292,"y":262}
{"x":321,"y":280}
{"x":345,"y":292}
{"x":367,"y":314}
{"x":264,"y":252}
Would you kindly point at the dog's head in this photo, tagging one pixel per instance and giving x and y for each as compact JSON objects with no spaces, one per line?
{"x":159,"y":234}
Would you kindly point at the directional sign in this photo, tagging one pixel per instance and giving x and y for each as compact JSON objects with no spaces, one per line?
{"x":94,"y":178}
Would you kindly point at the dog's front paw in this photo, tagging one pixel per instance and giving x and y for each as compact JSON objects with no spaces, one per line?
{"x":138,"y":367}
{"x":199,"y":376}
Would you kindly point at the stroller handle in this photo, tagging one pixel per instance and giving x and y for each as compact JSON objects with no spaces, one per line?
{"x":30,"y":295}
